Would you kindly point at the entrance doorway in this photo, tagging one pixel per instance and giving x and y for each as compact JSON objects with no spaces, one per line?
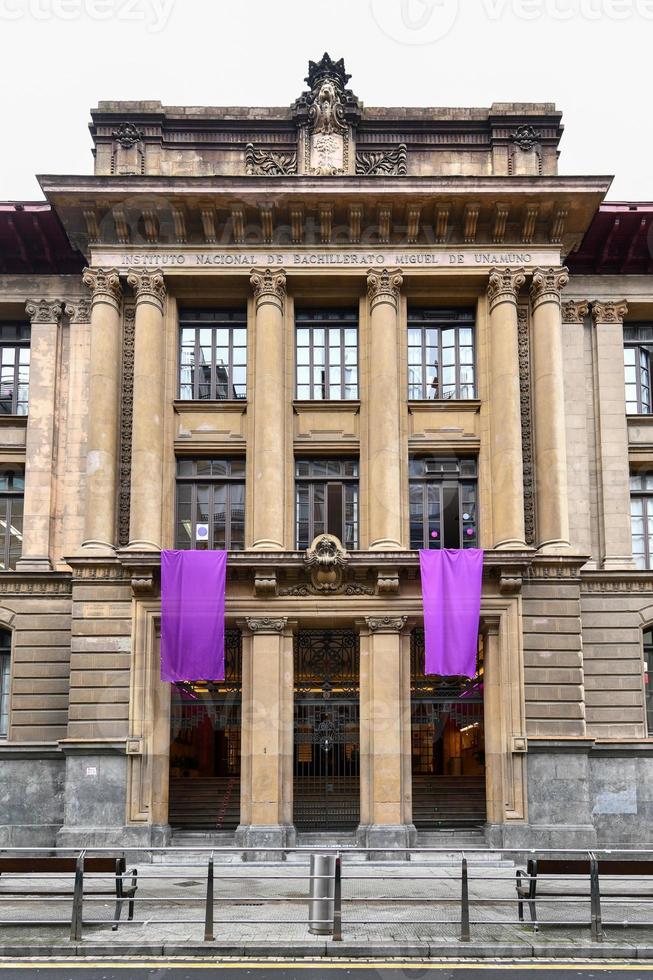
{"x":447,"y":745}
{"x":327,"y":730}
{"x":205,"y":748}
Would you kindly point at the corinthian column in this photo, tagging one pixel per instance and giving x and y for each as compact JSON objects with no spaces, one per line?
{"x":384,"y":440}
{"x":549,"y":411}
{"x":613,"y":473}
{"x":147,"y":423}
{"x":505,"y":415}
{"x":268,"y":492}
{"x":40,"y":448}
{"x":103,"y":411}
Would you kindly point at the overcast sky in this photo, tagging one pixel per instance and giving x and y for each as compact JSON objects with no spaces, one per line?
{"x":593,"y":58}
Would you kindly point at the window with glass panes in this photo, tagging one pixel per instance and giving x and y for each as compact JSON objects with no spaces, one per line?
{"x":648,"y":672}
{"x":5,"y":674}
{"x":14,"y":368}
{"x":210,"y":504}
{"x":641,"y":518}
{"x":327,"y":354}
{"x":443,"y":503}
{"x":441,"y":354}
{"x":12,"y":491}
{"x":213,"y":355}
{"x":327,"y":500}
{"x":638,"y":351}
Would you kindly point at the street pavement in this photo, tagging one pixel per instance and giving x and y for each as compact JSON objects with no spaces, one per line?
{"x":311,"y":971}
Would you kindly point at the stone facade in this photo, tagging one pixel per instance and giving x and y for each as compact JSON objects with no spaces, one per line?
{"x":326,"y":202}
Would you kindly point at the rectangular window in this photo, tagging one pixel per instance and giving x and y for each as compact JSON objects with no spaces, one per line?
{"x":326,"y":354}
{"x":327,"y":500}
{"x":12,"y":491}
{"x":5,"y":674}
{"x":638,"y":351}
{"x":443,"y":503}
{"x":441,"y":354}
{"x":213,"y":355}
{"x":210,"y":504}
{"x":14,"y":368}
{"x":648,"y":671}
{"x":641,"y":518}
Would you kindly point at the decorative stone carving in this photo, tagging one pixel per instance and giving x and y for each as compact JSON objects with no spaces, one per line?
{"x":574,"y":311}
{"x":79,"y":312}
{"x":149,"y":286}
{"x":126,"y":421}
{"x":269,"y":163}
{"x":44,"y":310}
{"x":326,"y":559}
{"x":387,"y":581}
{"x":267,"y":625}
{"x":391,"y":163}
{"x":104,"y":285}
{"x":547,"y":285}
{"x":269,"y":286}
{"x":383,"y":286}
{"x":265,"y":581}
{"x":609,"y":312}
{"x":127,"y":135}
{"x":385,"y":624}
{"x":523,"y":342}
{"x":326,"y":115}
{"x":510,"y":583}
{"x":526,"y":137}
{"x":504,"y":286}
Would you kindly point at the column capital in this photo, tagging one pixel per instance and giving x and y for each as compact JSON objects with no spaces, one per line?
{"x":547,"y":285}
{"x":267,"y":625}
{"x":574,"y":311}
{"x":612,"y":311}
{"x":104,"y":284}
{"x":79,"y":311}
{"x":149,"y":287}
{"x":504,"y":286}
{"x":383,"y":286}
{"x":44,"y":310}
{"x":385,"y":624}
{"x":269,"y":287}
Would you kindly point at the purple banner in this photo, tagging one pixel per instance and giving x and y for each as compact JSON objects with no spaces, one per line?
{"x":192,"y":615}
{"x":451,"y":593}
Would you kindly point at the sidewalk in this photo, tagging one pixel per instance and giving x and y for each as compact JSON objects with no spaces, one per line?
{"x":170,"y":916}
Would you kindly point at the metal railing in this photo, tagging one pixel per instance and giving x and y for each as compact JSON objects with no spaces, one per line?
{"x":594,"y":887}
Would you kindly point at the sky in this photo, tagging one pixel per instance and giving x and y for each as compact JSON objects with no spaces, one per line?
{"x":593,"y":58}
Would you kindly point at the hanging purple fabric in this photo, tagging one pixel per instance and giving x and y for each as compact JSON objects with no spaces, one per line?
{"x":192,"y":615}
{"x":451,"y":593}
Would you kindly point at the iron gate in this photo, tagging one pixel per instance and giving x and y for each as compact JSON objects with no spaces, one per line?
{"x":205,"y":748}
{"x":327,"y":730}
{"x":447,"y":745}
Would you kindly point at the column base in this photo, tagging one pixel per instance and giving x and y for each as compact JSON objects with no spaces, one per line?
{"x":512,"y":544}
{"x":33,"y":565}
{"x":259,"y":836}
{"x":384,"y":544}
{"x":143,"y":546}
{"x":389,"y":838}
{"x":618,"y":563}
{"x":265,"y":545}
{"x":554,"y":548}
{"x":100,"y":549}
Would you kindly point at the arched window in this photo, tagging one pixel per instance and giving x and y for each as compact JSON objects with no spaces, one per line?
{"x":5,"y":673}
{"x":648,"y":678}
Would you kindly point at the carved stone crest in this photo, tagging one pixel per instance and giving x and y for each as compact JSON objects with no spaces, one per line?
{"x":325,"y":115}
{"x":326,"y":559}
{"x":526,"y":137}
{"x":127,"y":135}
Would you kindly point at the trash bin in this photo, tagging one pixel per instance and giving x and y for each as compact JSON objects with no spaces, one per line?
{"x":322,"y":893}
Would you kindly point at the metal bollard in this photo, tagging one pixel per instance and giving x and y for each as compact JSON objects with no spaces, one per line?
{"x":320,"y":908}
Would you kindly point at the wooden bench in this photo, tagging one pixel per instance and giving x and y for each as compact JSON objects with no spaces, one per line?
{"x":63,"y":866}
{"x":579,"y":872}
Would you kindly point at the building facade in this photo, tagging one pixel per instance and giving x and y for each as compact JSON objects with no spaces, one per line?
{"x":324,"y":337}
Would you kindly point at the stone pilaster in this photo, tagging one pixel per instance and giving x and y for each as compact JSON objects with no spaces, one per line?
{"x":267,"y":732}
{"x":103,"y":409}
{"x":147,"y":425}
{"x":549,"y":411}
{"x":386,"y":797}
{"x":505,"y":416}
{"x":268,"y":490}
{"x":384,"y":438}
{"x":41,"y":446}
{"x":576,"y":378}
{"x":613,"y":475}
